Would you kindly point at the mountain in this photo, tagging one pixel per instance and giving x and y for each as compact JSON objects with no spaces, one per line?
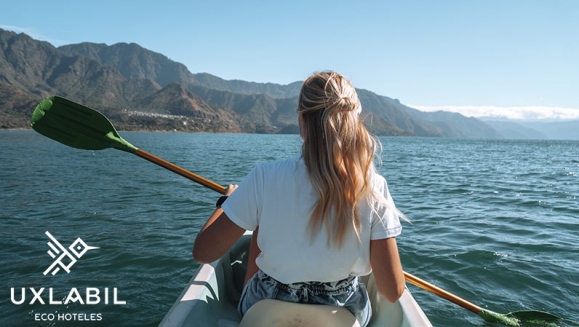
{"x":134,"y":61}
{"x":455,"y":125}
{"x":16,"y":106}
{"x":238,"y":86}
{"x":141,"y":89}
{"x":37,"y":68}
{"x":261,"y":99}
{"x":24,"y":61}
{"x":565,"y":130}
{"x":514,"y":131}
{"x":386,"y":115}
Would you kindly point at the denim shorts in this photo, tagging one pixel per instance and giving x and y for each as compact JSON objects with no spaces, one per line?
{"x":349,"y":293}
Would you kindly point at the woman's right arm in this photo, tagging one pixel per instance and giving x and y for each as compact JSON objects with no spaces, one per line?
{"x":387,"y":269}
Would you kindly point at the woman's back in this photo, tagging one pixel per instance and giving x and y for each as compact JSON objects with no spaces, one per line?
{"x":280,"y":196}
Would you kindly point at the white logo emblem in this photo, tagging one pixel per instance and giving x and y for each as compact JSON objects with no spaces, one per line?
{"x":78,"y":248}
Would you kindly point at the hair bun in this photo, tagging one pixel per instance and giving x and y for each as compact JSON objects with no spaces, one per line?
{"x":328,"y":91}
{"x":347,"y":103}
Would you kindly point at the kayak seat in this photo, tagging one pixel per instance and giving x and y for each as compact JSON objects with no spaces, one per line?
{"x":234,"y":274}
{"x":275,"y":313}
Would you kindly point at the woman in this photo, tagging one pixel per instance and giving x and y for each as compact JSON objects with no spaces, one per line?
{"x":319,"y":220}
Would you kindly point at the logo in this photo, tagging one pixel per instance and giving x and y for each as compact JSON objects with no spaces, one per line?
{"x":65,"y":258}
{"x":77,"y":250}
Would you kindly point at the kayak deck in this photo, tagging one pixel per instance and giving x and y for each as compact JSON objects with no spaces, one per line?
{"x":211,"y":297}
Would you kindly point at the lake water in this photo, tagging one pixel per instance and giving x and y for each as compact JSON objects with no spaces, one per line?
{"x":494,"y":222}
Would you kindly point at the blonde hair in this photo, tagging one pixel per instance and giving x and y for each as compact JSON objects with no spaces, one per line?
{"x":338,"y":152}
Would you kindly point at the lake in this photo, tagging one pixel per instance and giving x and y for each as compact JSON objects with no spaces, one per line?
{"x":495,"y":222}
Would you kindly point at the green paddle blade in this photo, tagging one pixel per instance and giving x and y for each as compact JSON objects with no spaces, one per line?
{"x":525,"y":318}
{"x":77,"y":126}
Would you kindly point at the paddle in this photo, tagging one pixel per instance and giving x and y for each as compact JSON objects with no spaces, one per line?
{"x":84,"y":128}
{"x":81,"y":127}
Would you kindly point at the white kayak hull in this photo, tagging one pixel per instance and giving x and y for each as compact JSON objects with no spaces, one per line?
{"x":211,"y":296}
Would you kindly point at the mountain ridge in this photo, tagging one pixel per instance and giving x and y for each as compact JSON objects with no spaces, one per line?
{"x":126,"y":77}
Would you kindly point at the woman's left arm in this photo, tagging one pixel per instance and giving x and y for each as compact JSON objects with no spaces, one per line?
{"x":217,"y":235}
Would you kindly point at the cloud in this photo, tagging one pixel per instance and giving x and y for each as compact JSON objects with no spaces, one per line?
{"x":34,"y":34}
{"x":532,"y":113}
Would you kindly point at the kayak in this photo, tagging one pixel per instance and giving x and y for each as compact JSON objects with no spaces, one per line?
{"x":211,"y":296}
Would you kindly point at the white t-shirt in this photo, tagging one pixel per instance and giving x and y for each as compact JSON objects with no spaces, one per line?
{"x":279,"y":197}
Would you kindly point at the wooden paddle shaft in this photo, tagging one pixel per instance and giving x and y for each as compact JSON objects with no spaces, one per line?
{"x":442,"y":293}
{"x":183,"y":172}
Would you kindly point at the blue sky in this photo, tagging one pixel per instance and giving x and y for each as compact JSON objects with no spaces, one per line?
{"x":511,"y":58}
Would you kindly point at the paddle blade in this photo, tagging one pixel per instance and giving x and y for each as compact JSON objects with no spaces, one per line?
{"x":524,"y":318}
{"x":76,"y":125}
{"x":494,"y":317}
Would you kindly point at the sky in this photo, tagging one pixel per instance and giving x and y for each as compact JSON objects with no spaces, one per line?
{"x":500,"y":58}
